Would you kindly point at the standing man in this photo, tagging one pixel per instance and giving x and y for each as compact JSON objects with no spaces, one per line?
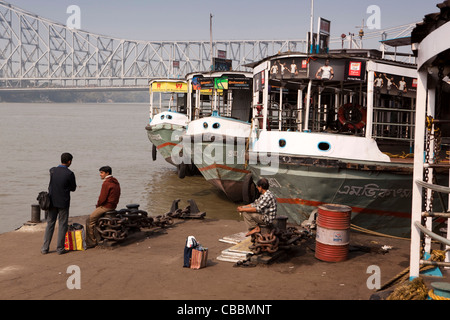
{"x":107,"y":201}
{"x":262,"y":211}
{"x":62,"y":182}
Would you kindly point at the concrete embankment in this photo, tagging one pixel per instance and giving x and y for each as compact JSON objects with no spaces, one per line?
{"x":149,"y":265}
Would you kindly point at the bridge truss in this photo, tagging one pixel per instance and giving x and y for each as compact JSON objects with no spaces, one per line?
{"x":38,"y":53}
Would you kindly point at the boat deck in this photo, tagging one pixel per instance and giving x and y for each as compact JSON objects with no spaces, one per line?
{"x":402,"y":160}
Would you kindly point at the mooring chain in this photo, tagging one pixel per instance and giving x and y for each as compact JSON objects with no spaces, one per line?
{"x":276,"y":239}
{"x":117,"y":225}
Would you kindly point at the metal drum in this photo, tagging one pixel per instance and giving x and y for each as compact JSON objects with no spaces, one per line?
{"x":333,"y":232}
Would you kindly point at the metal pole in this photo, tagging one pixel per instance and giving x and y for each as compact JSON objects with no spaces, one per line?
{"x":312,"y":27}
{"x":369,"y":121}
{"x":211,"y":40}
{"x":416,"y":214}
{"x":308,"y":106}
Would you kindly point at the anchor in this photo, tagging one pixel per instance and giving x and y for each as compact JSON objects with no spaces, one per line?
{"x":191,"y":211}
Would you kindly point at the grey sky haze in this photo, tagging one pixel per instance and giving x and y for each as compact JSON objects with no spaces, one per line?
{"x":233,"y":19}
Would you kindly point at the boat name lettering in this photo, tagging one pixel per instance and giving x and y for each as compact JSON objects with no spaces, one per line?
{"x":374,"y":191}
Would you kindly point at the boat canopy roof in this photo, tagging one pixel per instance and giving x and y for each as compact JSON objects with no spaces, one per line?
{"x":430,"y":38}
{"x":366,"y":54}
{"x":348,"y":66}
{"x":219,"y":74}
{"x":168,"y":85}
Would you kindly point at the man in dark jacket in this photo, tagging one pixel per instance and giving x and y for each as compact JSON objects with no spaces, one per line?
{"x":107,"y":201}
{"x":62,"y":182}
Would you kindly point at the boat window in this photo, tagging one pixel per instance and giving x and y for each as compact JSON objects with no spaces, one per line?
{"x":169,"y":116}
{"x":216,"y":125}
{"x":205,"y":125}
{"x":162,"y":117}
{"x":324,"y":146}
{"x":282,"y":143}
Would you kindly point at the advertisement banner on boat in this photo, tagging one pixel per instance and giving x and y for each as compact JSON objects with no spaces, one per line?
{"x":259,"y":82}
{"x":337,"y":69}
{"x":318,"y":68}
{"x":289,"y":68}
{"x":222,"y":83}
{"x":162,"y":86}
{"x":391,"y":84}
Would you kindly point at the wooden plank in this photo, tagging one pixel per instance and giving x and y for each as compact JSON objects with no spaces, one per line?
{"x":242,"y":247}
{"x":234,"y":238}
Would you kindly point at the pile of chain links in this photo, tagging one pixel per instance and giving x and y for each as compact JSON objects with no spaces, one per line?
{"x":277,"y":239}
{"x":117,"y":225}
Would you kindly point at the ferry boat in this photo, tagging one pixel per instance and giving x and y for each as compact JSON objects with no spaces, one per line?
{"x":336,"y":128}
{"x":216,"y":138}
{"x":168,"y":116}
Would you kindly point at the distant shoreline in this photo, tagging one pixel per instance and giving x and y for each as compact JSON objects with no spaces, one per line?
{"x":75,"y":97}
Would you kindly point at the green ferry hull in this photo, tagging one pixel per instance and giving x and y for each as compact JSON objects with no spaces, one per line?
{"x":380,"y":195}
{"x":165,"y":137}
{"x":220,"y":165}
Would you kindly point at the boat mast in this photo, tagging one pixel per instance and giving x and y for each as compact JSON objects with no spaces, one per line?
{"x":214,"y":93}
{"x":311,"y":48}
{"x":210,"y":41}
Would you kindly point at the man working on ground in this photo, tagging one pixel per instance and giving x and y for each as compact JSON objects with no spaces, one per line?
{"x":107,"y":201}
{"x":62,"y":182}
{"x":262,"y":211}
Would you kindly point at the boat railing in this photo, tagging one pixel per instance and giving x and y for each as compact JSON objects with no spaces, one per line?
{"x":393,"y":123}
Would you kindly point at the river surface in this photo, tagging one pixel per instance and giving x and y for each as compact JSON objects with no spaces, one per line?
{"x":34,"y":135}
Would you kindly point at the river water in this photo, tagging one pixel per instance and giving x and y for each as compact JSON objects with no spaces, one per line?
{"x":33,"y":136}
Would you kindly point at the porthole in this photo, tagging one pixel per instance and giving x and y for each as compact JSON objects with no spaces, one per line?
{"x":216,"y":125}
{"x":205,"y":125}
{"x":282,"y":143}
{"x":162,"y":117}
{"x":169,"y":116}
{"x":324,"y":146}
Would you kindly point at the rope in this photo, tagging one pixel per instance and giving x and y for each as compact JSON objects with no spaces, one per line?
{"x":361,"y":229}
{"x":413,"y":290}
{"x":436,"y":255}
{"x":404,"y":155}
{"x":435,"y":296}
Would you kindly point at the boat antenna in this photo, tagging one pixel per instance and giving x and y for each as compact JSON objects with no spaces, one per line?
{"x":211,"y":41}
{"x":312,"y":27}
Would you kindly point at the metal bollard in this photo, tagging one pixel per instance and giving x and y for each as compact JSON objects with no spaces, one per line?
{"x":35,"y":213}
{"x":280,"y":222}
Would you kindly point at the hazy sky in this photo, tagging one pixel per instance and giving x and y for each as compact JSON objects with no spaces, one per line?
{"x":233,"y":19}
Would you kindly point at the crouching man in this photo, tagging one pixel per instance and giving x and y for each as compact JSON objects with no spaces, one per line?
{"x":262,"y":211}
{"x":107,"y":201}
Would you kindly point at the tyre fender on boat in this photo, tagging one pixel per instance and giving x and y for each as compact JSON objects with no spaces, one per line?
{"x":353,"y":116}
{"x":249,"y":191}
{"x":154,"y":151}
{"x":181,"y":170}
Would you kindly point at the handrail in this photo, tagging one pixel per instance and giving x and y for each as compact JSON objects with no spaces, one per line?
{"x":432,"y":234}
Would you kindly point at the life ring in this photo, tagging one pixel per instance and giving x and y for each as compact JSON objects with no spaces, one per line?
{"x":353,"y":116}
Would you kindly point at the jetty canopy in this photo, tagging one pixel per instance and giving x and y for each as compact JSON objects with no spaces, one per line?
{"x":397,"y":42}
{"x":431,"y":45}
